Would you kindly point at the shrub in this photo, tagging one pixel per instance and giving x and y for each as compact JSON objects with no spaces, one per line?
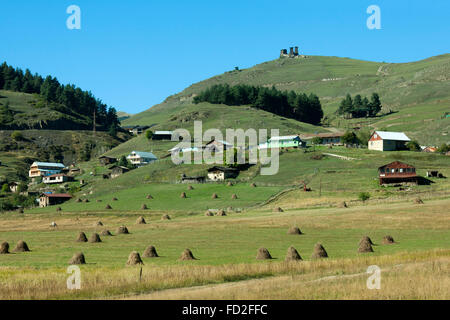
{"x":5,"y":188}
{"x":149,"y":134}
{"x":363,"y":196}
{"x":317,"y":140}
{"x":17,"y":136}
{"x":413,"y":145}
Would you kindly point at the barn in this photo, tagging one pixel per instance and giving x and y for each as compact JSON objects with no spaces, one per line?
{"x":49,"y":199}
{"x":388,"y":141}
{"x":222,"y":173}
{"x":397,"y":173}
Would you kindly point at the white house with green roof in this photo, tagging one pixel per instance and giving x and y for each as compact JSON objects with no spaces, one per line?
{"x":293,"y":141}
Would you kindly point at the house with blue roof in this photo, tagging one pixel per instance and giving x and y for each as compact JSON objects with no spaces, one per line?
{"x":141,"y":158}
{"x":43,"y":169}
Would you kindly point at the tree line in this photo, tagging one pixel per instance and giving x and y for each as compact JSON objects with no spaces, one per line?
{"x":75,"y":99}
{"x":360,"y":107}
{"x":301,"y":107}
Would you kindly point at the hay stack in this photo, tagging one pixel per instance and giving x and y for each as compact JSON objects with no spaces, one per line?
{"x":78,"y":258}
{"x":294,"y":230}
{"x":365,"y":245}
{"x":82,"y":237}
{"x":187,"y":255}
{"x":165,"y":217}
{"x":343,"y":204}
{"x":78,"y":200}
{"x":140,"y":220}
{"x":106,"y":233}
{"x":122,"y":230}
{"x":388,"y":240}
{"x":366,"y":239}
{"x":21,"y":246}
{"x":149,"y":196}
{"x":209,"y":213}
{"x":115,"y":199}
{"x":183,"y":195}
{"x":86,"y":200}
{"x":134,"y":259}
{"x":214,"y":196}
{"x":418,"y":201}
{"x":234,"y":196}
{"x":95,"y":238}
{"x":253,"y":185}
{"x":99,"y":224}
{"x":108,"y":207}
{"x":230,"y":184}
{"x":221,"y":213}
{"x":144,"y":207}
{"x":278,"y":209}
{"x":190,"y":188}
{"x":58,"y":209}
{"x":20,"y":210}
{"x":263,"y":254}
{"x":4,"y":248}
{"x":150,"y":252}
{"x":319,"y":252}
{"x":292,"y":254}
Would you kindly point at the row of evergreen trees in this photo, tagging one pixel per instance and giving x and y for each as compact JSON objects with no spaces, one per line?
{"x":302,"y":107}
{"x":360,"y":107}
{"x":75,"y":99}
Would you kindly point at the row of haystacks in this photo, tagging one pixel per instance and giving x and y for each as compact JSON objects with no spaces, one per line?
{"x":21,"y":246}
{"x":135,"y":258}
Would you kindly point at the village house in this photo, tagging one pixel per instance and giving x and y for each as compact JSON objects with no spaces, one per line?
{"x":136,"y":130}
{"x":14,"y":187}
{"x":217,"y":146}
{"x":397,"y":173}
{"x":293,"y":141}
{"x":178,"y":149}
{"x":162,"y":135}
{"x":42,"y":169}
{"x":139,"y":130}
{"x":57,"y":178}
{"x":117,"y":171}
{"x":73,"y":171}
{"x":388,"y":141}
{"x":105,"y":160}
{"x":196,"y":179}
{"x":141,"y":158}
{"x":222,"y":173}
{"x":50,"y":199}
{"x":429,"y":149}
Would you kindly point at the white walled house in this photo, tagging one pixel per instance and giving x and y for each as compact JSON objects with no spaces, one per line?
{"x":140,"y":158}
{"x":57,"y":178}
{"x":388,"y":141}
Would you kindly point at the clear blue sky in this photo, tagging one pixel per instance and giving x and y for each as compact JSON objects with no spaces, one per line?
{"x":133,"y":54}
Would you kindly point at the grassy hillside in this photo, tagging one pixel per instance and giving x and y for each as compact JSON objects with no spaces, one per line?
{"x":31,"y":112}
{"x":417,"y":93}
{"x":50,"y":145}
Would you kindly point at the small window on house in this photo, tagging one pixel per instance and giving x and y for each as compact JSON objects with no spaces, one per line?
{"x":401,"y":170}
{"x":393,"y":170}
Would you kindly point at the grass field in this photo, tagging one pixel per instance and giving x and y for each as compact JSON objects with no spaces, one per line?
{"x":226,"y":248}
{"x":417,"y":91}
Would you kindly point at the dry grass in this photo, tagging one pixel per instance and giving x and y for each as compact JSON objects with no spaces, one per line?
{"x":27,"y":283}
{"x":414,"y":280}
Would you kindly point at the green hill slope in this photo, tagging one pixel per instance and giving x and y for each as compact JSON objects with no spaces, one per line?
{"x":417,"y":93}
{"x":29,"y":111}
